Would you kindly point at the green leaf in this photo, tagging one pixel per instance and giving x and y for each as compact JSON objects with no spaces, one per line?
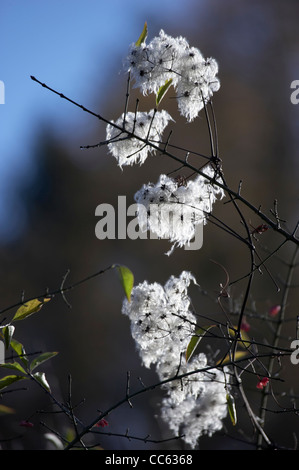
{"x":41,"y":358}
{"x":162,"y":91}
{"x":10,"y":379}
{"x":231,"y":408}
{"x":142,"y":36}
{"x":14,"y":366}
{"x":40,"y":377}
{"x":199,"y":333}
{"x":126,"y":278}
{"x":19,"y":349}
{"x":8,"y":332}
{"x":30,"y":307}
{"x":51,"y":437}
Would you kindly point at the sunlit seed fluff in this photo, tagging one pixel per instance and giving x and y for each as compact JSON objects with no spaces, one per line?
{"x":196,"y":87}
{"x":148,"y":126}
{"x":162,"y":325}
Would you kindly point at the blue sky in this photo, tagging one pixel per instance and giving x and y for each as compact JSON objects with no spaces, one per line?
{"x":63,"y":43}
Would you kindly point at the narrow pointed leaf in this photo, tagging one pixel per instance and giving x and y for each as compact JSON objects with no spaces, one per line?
{"x":10,"y":379}
{"x":142,"y":36}
{"x":231,"y":408}
{"x":41,"y":378}
{"x":13,"y":365}
{"x":199,"y":333}
{"x":162,"y":91}
{"x":19,"y":349}
{"x":30,"y":307}
{"x":41,"y":359}
{"x":127,"y":280}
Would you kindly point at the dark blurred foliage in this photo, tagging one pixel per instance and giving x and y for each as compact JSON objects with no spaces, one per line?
{"x":257,"y":46}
